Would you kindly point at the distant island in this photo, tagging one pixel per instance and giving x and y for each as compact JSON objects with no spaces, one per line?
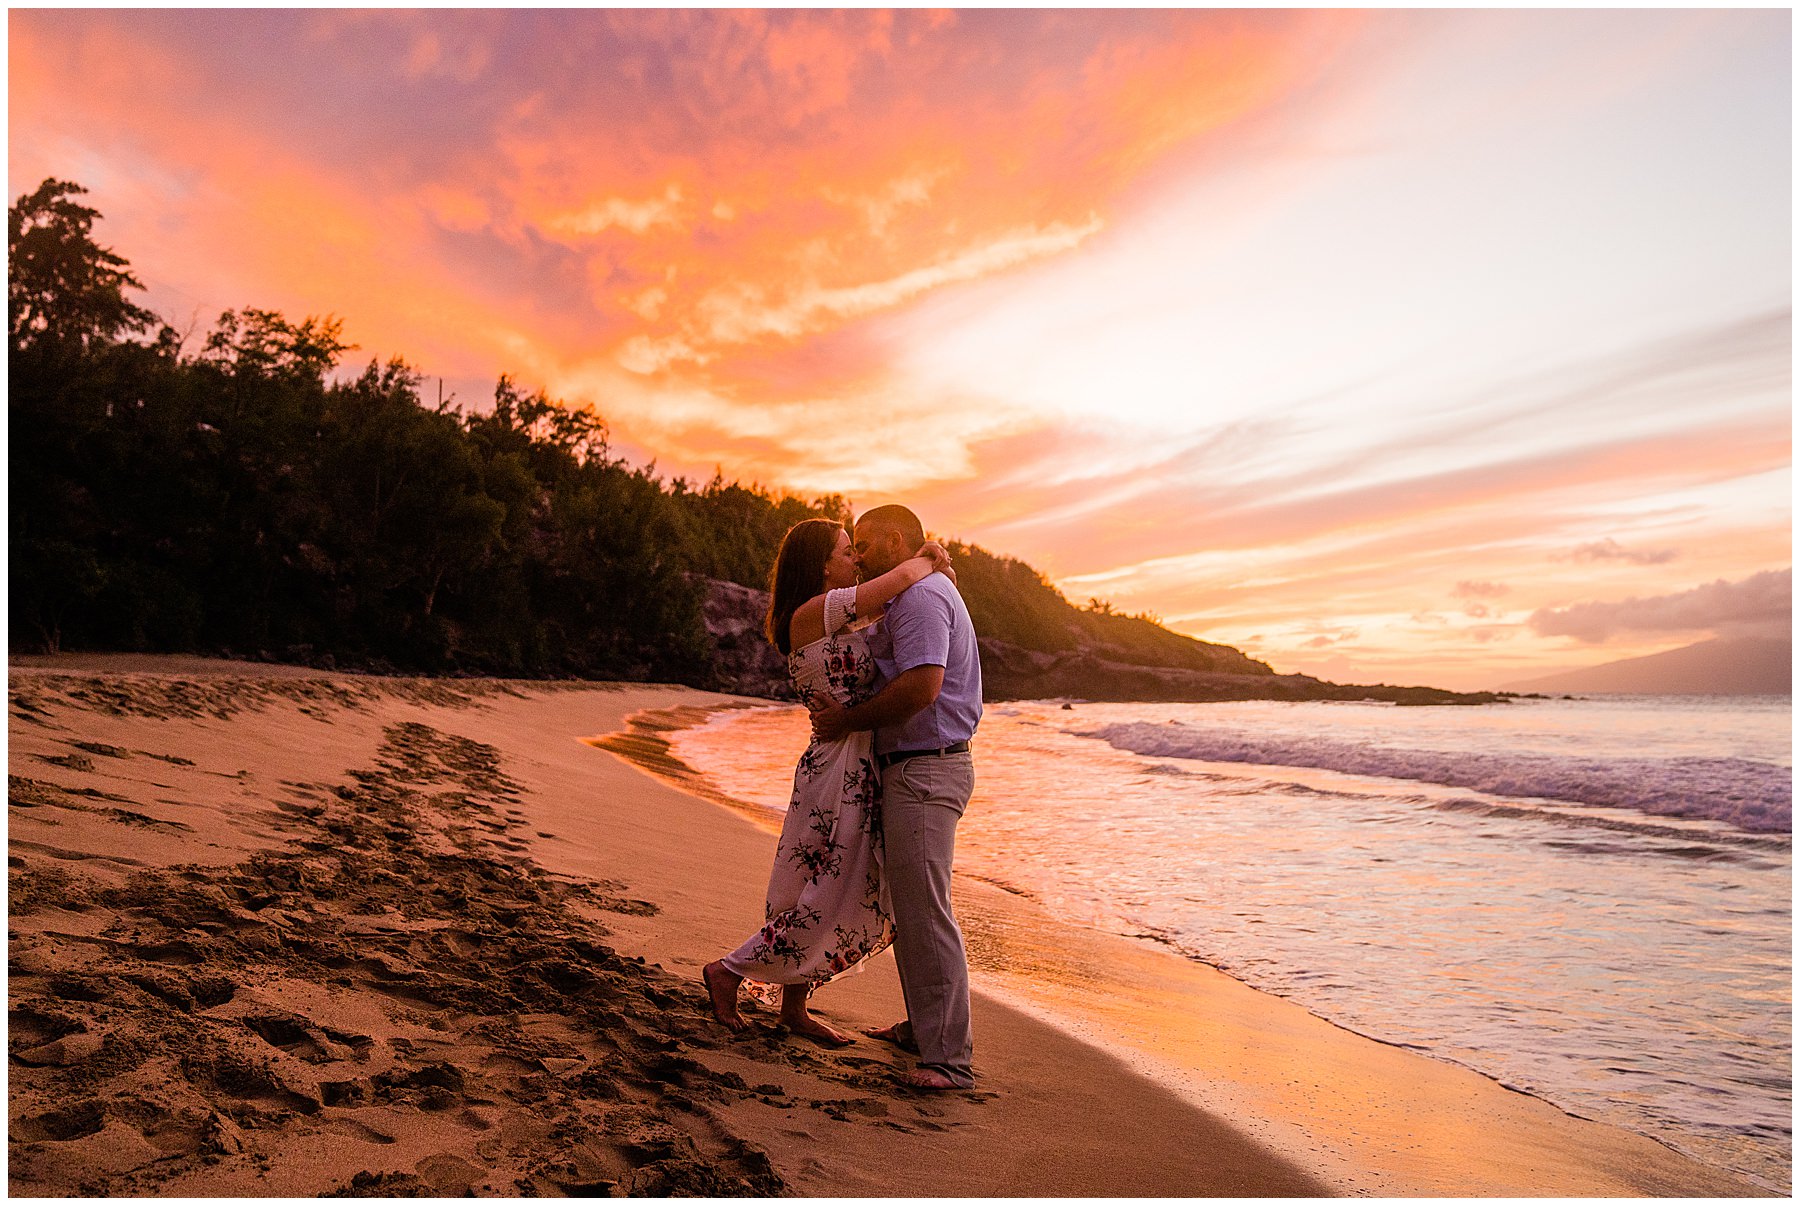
{"x":1726,"y":666}
{"x":239,"y":498}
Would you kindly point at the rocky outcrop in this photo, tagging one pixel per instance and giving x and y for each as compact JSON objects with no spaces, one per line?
{"x":1008,"y":672}
{"x":747,"y":665}
{"x":744,"y":662}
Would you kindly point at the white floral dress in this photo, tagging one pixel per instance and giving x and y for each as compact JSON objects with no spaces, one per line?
{"x":827,"y":909}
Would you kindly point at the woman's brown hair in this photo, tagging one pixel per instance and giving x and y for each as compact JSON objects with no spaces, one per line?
{"x":799,"y":574}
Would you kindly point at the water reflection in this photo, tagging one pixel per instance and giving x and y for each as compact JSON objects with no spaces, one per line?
{"x":1631,"y":969}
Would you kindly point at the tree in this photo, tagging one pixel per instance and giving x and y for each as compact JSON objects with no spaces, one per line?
{"x":261,"y":343}
{"x":65,"y":290}
{"x":237,"y":499}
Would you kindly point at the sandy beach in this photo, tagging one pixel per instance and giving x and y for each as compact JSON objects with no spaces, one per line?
{"x":278,"y":932}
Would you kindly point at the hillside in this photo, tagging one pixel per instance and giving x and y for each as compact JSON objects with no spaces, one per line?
{"x":1727,"y":666}
{"x":1014,"y":605}
{"x":1042,"y":647}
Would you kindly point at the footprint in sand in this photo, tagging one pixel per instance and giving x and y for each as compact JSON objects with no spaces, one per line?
{"x":64,"y":1052}
{"x":60,"y":1125}
{"x":449,"y":1176}
{"x":74,"y":856}
{"x":247,"y":1079}
{"x":100,"y":749}
{"x":357,"y":1130}
{"x":147,"y":822}
{"x":187,"y":995}
{"x":291,"y":1035}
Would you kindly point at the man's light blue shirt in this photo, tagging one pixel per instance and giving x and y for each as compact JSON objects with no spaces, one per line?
{"x":927,"y":625}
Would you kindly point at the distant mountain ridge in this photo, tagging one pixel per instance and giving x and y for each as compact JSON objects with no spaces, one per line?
{"x":1724,"y":666}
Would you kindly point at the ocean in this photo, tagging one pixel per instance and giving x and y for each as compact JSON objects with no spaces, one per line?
{"x":1588,"y":900}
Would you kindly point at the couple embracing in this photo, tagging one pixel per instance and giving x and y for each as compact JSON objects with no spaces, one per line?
{"x":890,"y":671}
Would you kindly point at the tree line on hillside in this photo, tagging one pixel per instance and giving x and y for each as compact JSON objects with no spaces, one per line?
{"x":238,"y":498}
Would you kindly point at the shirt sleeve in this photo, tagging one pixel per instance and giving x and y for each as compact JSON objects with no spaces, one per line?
{"x":840,"y":609}
{"x":919,"y":622}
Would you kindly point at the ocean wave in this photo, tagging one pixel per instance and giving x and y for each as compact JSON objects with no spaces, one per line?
{"x":1754,"y":796}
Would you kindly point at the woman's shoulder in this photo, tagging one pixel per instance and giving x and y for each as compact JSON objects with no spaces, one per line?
{"x":859,"y":633}
{"x":843,"y":595}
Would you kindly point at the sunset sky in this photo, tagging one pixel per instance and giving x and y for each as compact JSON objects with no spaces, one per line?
{"x":1447,"y":347}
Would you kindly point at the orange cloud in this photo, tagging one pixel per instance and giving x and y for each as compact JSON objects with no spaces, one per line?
{"x":733,"y":230}
{"x":659,"y":192}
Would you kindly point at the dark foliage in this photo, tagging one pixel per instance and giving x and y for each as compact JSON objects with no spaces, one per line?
{"x":240,"y":500}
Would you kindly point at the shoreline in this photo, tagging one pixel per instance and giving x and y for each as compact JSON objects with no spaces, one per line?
{"x":1012,"y":962}
{"x":287,"y":834}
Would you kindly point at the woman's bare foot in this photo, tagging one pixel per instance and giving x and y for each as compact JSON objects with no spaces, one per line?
{"x":926,"y":1078}
{"x":795,"y":1017}
{"x":899,"y":1034}
{"x":807,"y":1026}
{"x":722,"y":987}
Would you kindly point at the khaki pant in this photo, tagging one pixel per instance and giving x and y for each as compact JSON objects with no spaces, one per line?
{"x":922,"y":799}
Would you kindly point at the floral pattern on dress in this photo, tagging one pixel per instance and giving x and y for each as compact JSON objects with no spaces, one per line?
{"x":812,"y":764}
{"x":783,"y":936}
{"x":822,"y":854}
{"x":827,"y":909}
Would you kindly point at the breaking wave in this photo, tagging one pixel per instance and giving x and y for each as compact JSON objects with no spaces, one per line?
{"x":1755,"y":796}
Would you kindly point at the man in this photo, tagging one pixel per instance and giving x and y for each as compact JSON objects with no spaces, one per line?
{"x":923,"y":718}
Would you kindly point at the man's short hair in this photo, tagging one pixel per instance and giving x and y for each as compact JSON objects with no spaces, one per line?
{"x":899,"y":519}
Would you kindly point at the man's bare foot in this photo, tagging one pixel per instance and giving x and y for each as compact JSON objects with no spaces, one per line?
{"x":807,"y":1026}
{"x":899,"y":1034}
{"x":927,"y":1078}
{"x":722,"y":987}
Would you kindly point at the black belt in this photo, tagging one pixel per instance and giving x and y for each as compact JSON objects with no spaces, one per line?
{"x":886,"y":760}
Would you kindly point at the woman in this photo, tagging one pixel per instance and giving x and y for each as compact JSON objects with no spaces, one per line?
{"x":827,"y":906}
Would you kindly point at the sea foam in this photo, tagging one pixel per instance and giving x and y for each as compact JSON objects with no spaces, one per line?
{"x":1755,"y":796}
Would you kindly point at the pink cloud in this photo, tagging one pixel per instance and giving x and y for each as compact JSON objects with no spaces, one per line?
{"x":1611,"y":550}
{"x":1764,"y":600}
{"x":1480,"y":590}
{"x":1132,"y":515}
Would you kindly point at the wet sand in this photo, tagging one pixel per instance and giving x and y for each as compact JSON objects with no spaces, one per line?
{"x":283,"y":933}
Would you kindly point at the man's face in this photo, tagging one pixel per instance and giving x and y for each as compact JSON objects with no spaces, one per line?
{"x":878,"y":549}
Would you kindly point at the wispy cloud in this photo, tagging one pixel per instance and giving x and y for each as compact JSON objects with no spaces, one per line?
{"x":1473,"y":595}
{"x":1480,"y":590}
{"x":636,"y":217}
{"x":1611,"y":550}
{"x":1764,"y":599}
{"x":745,"y":312}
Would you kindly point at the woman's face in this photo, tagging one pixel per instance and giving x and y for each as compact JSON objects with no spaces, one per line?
{"x":840,"y":567}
